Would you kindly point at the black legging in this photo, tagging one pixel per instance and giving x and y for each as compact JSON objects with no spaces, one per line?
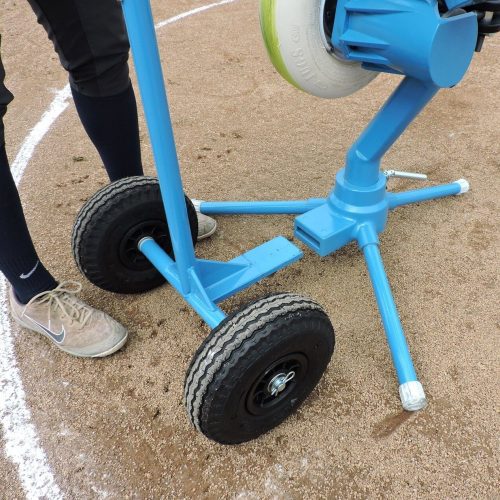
{"x":91,"y":41}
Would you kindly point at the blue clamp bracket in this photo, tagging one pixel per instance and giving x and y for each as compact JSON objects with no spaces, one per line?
{"x":455,"y":4}
{"x":410,"y":38}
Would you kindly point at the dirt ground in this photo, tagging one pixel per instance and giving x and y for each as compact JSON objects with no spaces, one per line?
{"x":117,"y":427}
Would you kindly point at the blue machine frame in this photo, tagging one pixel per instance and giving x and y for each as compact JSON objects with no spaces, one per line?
{"x":375,"y":33}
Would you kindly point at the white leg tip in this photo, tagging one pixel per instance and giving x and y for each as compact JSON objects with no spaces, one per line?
{"x":412,"y":396}
{"x":464,"y":185}
{"x":196,"y":204}
{"x":143,"y":240}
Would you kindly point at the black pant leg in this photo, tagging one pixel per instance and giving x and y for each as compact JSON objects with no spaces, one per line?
{"x":91,"y":40}
{"x":5,"y":97}
{"x":19,"y":261}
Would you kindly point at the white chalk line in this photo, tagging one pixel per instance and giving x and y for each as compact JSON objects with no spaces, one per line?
{"x":203,"y":8}
{"x":22,"y":445}
{"x":58,"y":105}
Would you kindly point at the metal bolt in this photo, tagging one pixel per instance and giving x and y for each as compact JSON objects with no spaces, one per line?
{"x":405,"y":175}
{"x":278,"y":383}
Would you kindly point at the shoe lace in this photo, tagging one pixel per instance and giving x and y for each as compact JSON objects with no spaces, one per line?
{"x":63,"y":299}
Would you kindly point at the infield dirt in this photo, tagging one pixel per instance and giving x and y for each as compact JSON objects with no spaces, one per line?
{"x":117,"y":427}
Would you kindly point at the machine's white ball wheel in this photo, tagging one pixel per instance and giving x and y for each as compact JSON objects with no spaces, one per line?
{"x":297,"y":36}
{"x":109,"y":227}
{"x":257,"y":367}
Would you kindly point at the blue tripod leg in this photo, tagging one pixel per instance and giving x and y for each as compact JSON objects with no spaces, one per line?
{"x":425,"y":194}
{"x":411,"y":391}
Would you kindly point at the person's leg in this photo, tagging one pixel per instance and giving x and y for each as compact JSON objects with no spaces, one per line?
{"x":5,"y":97}
{"x":19,"y":261}
{"x":112,"y":125}
{"x":36,"y":300}
{"x":91,"y":41}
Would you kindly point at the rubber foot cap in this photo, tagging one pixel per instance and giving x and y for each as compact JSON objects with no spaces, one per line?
{"x":464,"y":186}
{"x":412,"y":396}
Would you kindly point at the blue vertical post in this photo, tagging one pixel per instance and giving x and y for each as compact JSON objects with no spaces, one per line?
{"x":141,"y":32}
{"x":364,"y":156}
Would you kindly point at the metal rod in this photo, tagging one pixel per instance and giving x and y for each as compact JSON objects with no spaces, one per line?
{"x":405,"y":175}
{"x":141,"y":32}
{"x":260,"y":207}
{"x":388,"y":311}
{"x":424,"y":194}
{"x":208,"y":310}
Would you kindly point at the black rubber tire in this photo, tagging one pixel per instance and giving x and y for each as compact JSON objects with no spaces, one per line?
{"x":220,"y":390}
{"x":107,"y":227}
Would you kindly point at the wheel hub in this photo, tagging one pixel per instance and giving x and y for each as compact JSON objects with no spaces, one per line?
{"x":327,"y":20}
{"x":278,"y":383}
{"x":328,"y":9}
{"x":129,"y":252}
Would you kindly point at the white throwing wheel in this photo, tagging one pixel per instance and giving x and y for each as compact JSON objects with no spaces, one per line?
{"x":297,"y":36}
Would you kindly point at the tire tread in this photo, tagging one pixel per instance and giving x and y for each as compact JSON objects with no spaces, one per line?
{"x":230,"y":336}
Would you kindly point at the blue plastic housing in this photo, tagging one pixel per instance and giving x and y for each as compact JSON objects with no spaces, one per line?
{"x":408,"y":37}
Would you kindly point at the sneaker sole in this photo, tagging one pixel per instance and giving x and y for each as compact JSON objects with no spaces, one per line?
{"x":207,"y":235}
{"x":117,"y":347}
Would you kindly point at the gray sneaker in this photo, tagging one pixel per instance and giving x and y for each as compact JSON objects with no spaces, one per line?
{"x":71,"y":324}
{"x":206,"y":226}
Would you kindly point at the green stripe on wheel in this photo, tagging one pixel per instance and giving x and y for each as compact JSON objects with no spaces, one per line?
{"x":271,"y":39}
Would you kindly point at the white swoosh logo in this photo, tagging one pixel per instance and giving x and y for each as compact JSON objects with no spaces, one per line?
{"x":26,"y":276}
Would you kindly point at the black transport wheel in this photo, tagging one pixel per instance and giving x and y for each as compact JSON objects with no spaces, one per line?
{"x":257,"y":367}
{"x":110,"y":225}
